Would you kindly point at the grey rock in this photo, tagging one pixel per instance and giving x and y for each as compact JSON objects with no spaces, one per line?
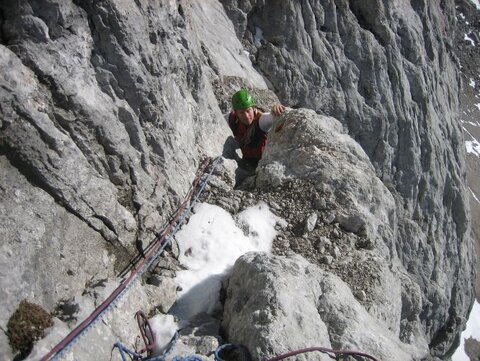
{"x":320,"y":203}
{"x":314,"y":148}
{"x":167,"y":290}
{"x":259,"y":315}
{"x":326,"y":259}
{"x":380,"y":78}
{"x":107,"y":108}
{"x":329,"y":217}
{"x":361,"y":295}
{"x":310,"y":223}
{"x":37,"y":252}
{"x":336,"y":252}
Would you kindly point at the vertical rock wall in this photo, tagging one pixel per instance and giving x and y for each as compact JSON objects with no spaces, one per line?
{"x":106,"y":111}
{"x":386,"y":70}
{"x":107,"y":108}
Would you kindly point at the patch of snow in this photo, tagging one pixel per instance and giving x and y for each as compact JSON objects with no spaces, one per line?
{"x":472,"y":146}
{"x":258,"y":36}
{"x":472,"y":83}
{"x":478,"y":106}
{"x":461,"y":15}
{"x":164,"y":328}
{"x":476,"y":3}
{"x":467,"y":38}
{"x":472,"y":330}
{"x":474,"y":195}
{"x":473,"y":124}
{"x":210,"y":244}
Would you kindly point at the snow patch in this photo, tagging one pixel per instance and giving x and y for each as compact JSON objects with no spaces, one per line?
{"x":164,"y":328}
{"x":474,"y":195}
{"x":467,"y":38}
{"x":472,"y":330}
{"x":258,"y":36}
{"x":210,"y":244}
{"x":472,"y":83}
{"x":476,"y":3}
{"x":472,"y":146}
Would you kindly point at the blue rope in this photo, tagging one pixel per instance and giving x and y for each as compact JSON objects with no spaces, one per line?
{"x":231,"y":346}
{"x":124,"y":350}
{"x":220,"y":349}
{"x":187,"y":358}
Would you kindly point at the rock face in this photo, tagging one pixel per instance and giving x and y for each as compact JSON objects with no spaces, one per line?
{"x":386,"y":70}
{"x":353,"y":245}
{"x":292,"y":305}
{"x":107,"y":108}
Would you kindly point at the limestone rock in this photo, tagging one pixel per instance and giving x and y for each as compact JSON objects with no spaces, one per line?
{"x":315,"y":148}
{"x":278,"y":304}
{"x":107,"y":108}
{"x":387,"y":71}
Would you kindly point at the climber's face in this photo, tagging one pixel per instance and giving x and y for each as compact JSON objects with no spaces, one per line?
{"x":246,"y":116}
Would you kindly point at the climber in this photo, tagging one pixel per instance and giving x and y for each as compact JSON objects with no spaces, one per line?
{"x":250,"y":126}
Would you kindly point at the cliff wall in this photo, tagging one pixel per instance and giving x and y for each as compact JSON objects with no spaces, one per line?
{"x":109,"y":106}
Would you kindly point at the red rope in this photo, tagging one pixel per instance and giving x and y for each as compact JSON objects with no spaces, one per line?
{"x":159,"y":243}
{"x":324,"y":350}
{"x":147,"y":333}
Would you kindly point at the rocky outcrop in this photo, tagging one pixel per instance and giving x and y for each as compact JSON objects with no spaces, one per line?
{"x":109,"y":106}
{"x":386,"y":70}
{"x":316,"y":171}
{"x":277,"y":304}
{"x":107,"y":109}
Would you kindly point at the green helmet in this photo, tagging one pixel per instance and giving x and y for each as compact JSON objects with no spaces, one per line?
{"x":242,"y":100}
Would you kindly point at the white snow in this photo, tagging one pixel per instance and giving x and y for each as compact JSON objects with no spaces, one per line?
{"x":210,"y":244}
{"x":474,"y":195}
{"x":478,"y":106}
{"x":472,"y":146}
{"x":164,"y":328}
{"x":473,"y":124}
{"x":472,"y":330}
{"x":476,"y":3}
{"x":472,"y":83}
{"x":258,"y":36}
{"x":467,"y":38}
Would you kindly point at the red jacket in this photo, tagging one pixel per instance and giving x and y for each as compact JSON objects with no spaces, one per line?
{"x":251,"y":138}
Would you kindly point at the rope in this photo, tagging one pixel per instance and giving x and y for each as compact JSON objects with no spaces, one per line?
{"x":324,"y":350}
{"x":160,"y":244}
{"x":187,"y":358}
{"x":231,"y":347}
{"x":124,"y":351}
{"x":137,"y":356}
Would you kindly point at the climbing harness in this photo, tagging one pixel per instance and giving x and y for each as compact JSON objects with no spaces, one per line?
{"x":155,"y":251}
